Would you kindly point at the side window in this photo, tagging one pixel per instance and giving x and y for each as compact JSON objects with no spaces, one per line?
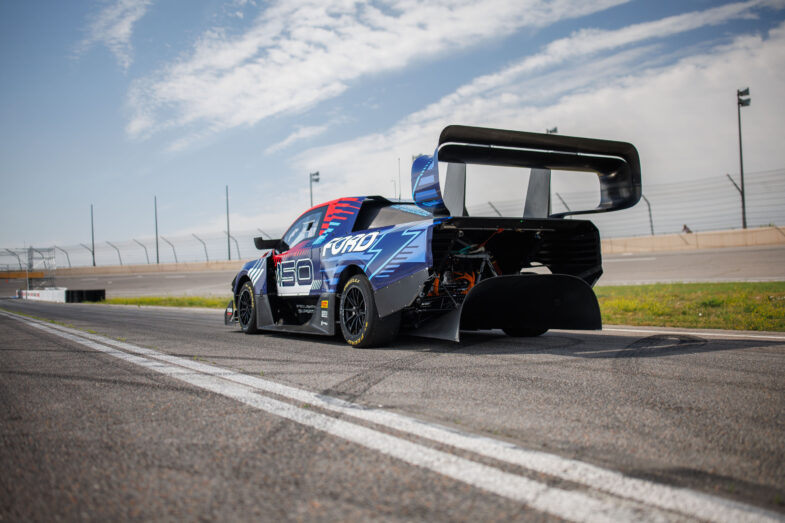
{"x":307,"y":226}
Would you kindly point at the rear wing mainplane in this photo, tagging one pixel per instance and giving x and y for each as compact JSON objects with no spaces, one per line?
{"x":616,"y":164}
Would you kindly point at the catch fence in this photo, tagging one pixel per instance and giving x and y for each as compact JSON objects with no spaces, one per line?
{"x":700,"y":205}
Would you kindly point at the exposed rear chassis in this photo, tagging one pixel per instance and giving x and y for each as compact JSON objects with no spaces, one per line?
{"x":511,"y":297}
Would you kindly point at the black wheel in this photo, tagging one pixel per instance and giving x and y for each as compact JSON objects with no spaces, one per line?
{"x":246,"y":309}
{"x":523,"y":332}
{"x":360,"y":322}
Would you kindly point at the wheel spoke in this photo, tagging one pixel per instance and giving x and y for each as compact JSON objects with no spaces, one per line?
{"x":245,"y":307}
{"x":354,"y":311}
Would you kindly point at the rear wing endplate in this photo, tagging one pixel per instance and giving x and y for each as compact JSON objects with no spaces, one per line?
{"x":615,"y":163}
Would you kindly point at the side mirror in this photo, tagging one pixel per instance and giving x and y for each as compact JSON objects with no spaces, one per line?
{"x":264,"y":245}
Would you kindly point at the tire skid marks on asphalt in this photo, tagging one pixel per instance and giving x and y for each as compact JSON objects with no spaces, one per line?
{"x":569,"y":504}
{"x":701,"y":333}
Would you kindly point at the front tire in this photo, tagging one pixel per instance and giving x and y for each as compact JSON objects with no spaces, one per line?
{"x":360,"y":322}
{"x":246,"y":309}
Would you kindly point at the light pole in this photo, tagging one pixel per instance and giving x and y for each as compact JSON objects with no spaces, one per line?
{"x":155,"y":207}
{"x":741,"y":101}
{"x":313,"y":178}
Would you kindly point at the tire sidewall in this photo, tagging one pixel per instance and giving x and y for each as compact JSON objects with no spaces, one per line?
{"x":356,"y":340}
{"x":250,"y":327}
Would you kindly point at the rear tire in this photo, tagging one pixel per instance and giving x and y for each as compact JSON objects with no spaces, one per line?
{"x":246,"y":309}
{"x":360,"y":322}
{"x":523,"y":332}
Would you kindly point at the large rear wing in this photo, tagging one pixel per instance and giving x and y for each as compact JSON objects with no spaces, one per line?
{"x":615,"y":163}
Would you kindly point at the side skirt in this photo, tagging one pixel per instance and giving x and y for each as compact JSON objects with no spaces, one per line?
{"x":322,"y":321}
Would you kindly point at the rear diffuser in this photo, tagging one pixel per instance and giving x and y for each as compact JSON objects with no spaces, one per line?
{"x":525,"y":301}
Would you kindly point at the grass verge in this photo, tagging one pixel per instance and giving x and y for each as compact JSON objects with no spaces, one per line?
{"x":736,"y":306}
{"x":211,"y":302}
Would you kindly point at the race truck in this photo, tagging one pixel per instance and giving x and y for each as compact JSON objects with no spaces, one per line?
{"x":368,"y":267}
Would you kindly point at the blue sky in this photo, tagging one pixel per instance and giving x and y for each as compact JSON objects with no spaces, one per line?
{"x":113,"y":102}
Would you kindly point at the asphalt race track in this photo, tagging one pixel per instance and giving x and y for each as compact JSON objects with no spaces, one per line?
{"x":117,"y":413}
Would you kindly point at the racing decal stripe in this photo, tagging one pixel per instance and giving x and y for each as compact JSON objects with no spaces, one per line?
{"x":256,"y":271}
{"x":413,"y":234}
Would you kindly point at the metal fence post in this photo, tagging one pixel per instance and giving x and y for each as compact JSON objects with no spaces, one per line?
{"x":145,"y":251}
{"x":651,"y":222}
{"x":66,"y":255}
{"x":118,"y":251}
{"x":562,"y":200}
{"x":92,"y":252}
{"x":172,"y":246}
{"x":206,"y":257}
{"x":17,"y":258}
{"x":743,"y":205}
{"x":92,"y":234}
{"x":236,"y":245}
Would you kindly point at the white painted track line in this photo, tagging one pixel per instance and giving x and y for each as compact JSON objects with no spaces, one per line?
{"x":572,"y":504}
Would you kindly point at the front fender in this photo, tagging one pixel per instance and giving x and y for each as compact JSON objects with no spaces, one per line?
{"x":256,"y":271}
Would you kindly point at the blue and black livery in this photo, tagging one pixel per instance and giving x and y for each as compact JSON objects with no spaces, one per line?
{"x":368,"y":266}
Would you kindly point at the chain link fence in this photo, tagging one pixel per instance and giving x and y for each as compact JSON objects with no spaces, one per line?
{"x":708,"y":204}
{"x":702,"y":205}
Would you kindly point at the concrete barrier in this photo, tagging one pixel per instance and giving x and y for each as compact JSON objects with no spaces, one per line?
{"x":663,"y":242}
{"x":62,"y":295}
{"x":55,"y":295}
{"x":697,"y":240}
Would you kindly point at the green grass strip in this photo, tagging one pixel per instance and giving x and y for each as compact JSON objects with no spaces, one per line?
{"x":735,"y":306}
{"x":212,"y":302}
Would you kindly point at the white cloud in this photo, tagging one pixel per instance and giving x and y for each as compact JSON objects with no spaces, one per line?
{"x":300,"y":52}
{"x":300,"y":134}
{"x":113,"y":27}
{"x":588,"y":42}
{"x":681,"y":116}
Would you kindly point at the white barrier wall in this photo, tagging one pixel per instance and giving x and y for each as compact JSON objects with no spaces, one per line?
{"x":55,"y":295}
